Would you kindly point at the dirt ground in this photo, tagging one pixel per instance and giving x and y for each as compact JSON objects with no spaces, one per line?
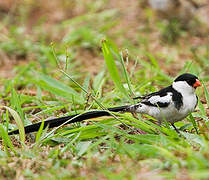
{"x":133,"y":18}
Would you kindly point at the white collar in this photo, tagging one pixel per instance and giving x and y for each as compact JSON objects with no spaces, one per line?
{"x":183,"y":87}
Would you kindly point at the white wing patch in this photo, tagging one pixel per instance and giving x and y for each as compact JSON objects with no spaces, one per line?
{"x":163,"y":99}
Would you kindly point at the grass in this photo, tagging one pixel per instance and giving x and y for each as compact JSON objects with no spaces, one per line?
{"x":94,"y":65}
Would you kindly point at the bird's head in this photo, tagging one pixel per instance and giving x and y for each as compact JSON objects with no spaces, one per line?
{"x":187,"y":82}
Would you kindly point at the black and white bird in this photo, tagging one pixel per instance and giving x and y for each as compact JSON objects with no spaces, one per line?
{"x":172,"y":104}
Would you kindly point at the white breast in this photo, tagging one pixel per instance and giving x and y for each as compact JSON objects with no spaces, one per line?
{"x":189,"y":99}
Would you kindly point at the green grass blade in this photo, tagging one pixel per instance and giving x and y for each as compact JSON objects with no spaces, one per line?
{"x":58,"y":88}
{"x":18,"y":122}
{"x":192,"y":120}
{"x":7,"y":140}
{"x":125,"y":73}
{"x":98,"y":81}
{"x":38,"y":135}
{"x":206,"y":94}
{"x":15,"y":103}
{"x":153,"y":60}
{"x":86,"y":85}
{"x":142,"y":125}
{"x":109,"y":59}
{"x":119,"y":56}
{"x":201,"y":107}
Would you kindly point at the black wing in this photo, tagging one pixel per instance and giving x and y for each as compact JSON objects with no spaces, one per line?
{"x":162,"y":92}
{"x":174,"y":95}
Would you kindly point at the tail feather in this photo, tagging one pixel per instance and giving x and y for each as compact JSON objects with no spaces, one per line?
{"x":58,"y":121}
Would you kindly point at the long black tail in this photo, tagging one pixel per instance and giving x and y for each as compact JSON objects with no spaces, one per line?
{"x":58,"y":121}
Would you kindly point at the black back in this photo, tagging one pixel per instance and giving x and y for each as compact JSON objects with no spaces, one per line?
{"x":176,"y":97}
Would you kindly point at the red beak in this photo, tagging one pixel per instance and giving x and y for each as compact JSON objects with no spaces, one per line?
{"x":197,"y":83}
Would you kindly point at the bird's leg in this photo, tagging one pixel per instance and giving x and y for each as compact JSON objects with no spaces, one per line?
{"x":175,"y":128}
{"x":134,"y":115}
